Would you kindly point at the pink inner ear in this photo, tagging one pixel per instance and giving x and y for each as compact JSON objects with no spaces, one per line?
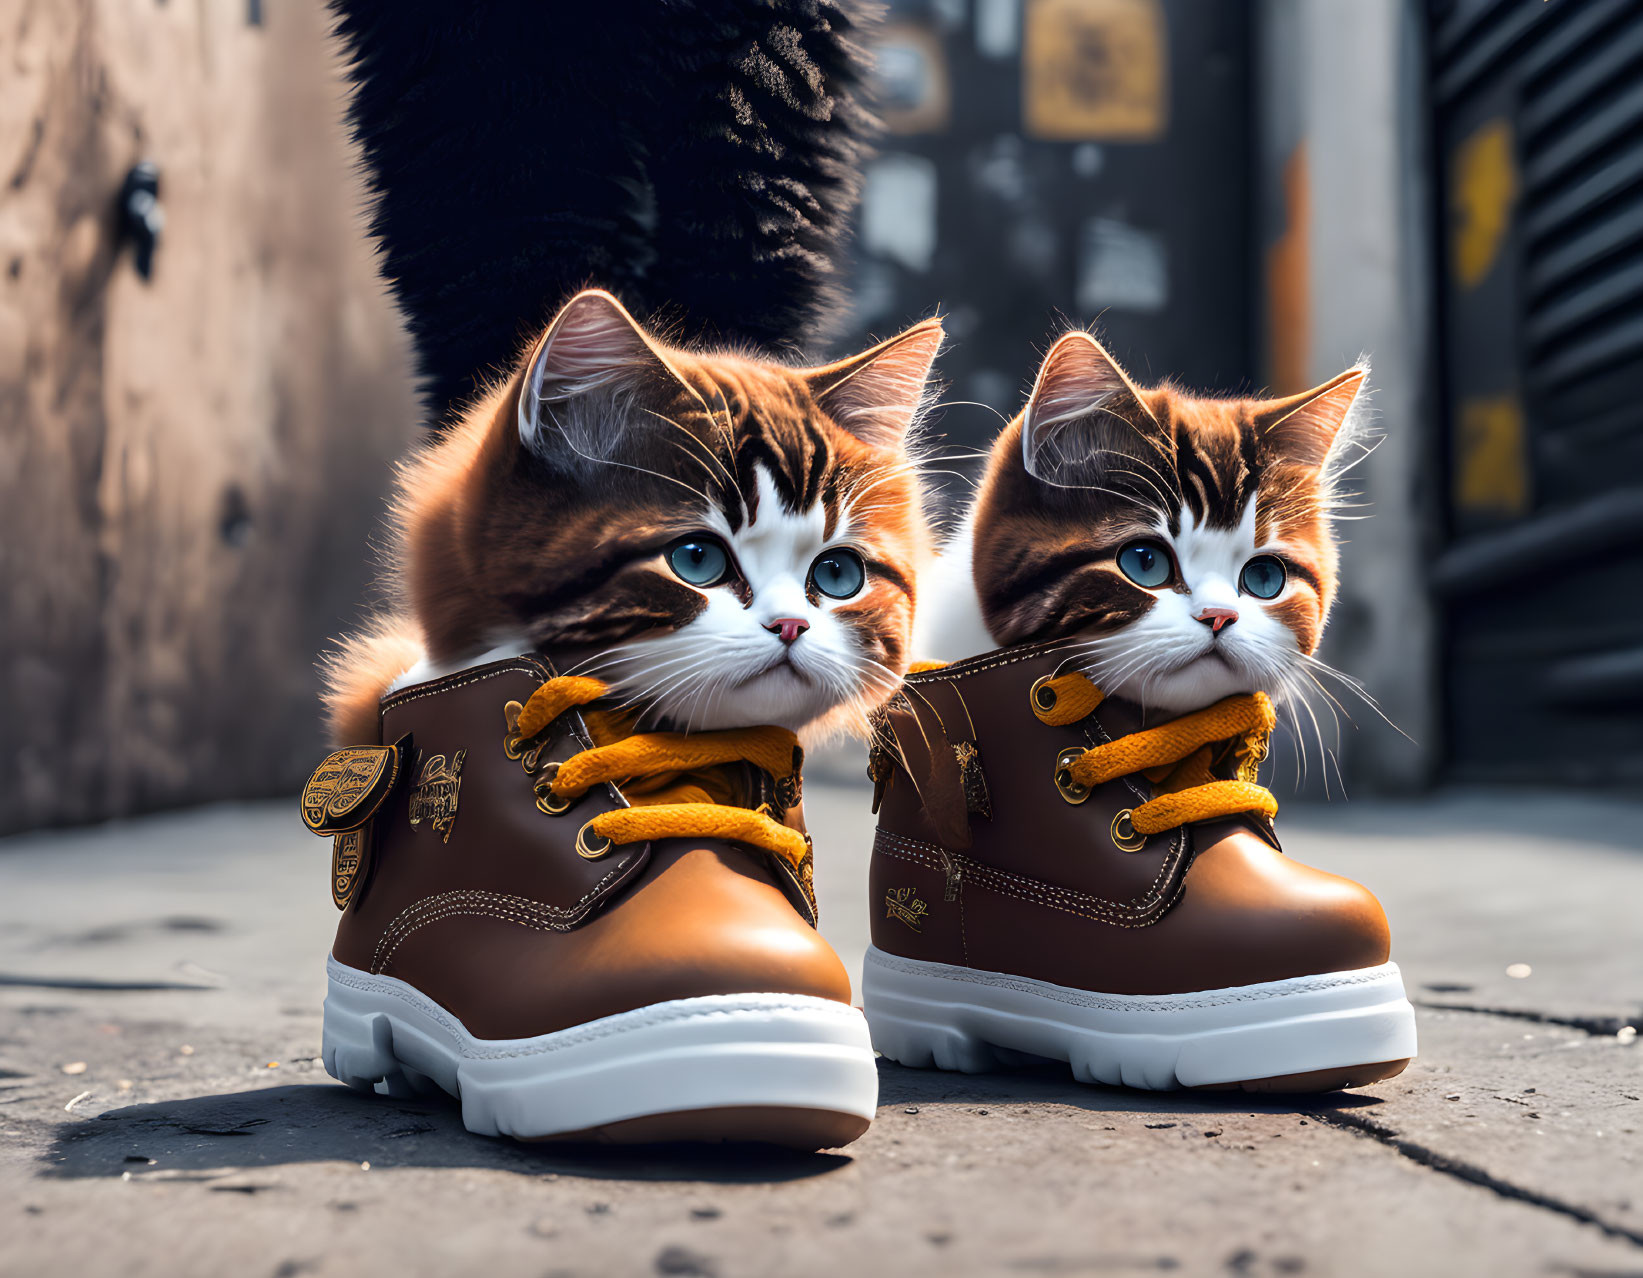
{"x":590,"y":343}
{"x":1077,"y":377}
{"x":877,"y":396}
{"x":1303,"y":427}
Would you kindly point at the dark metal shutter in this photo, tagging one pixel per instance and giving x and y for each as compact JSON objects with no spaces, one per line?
{"x":1539,"y":141}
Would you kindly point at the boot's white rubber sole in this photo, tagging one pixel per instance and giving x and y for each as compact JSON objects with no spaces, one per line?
{"x":785,"y":1068}
{"x":1310,"y":1033}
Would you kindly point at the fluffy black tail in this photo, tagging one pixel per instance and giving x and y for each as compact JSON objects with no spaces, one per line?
{"x":698,"y":157}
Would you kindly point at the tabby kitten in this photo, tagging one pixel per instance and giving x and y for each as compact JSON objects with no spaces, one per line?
{"x":1186,"y":540}
{"x":725,"y":540}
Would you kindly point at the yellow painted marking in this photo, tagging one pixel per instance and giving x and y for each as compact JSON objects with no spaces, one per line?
{"x":1492,"y":466}
{"x":1482,"y":191}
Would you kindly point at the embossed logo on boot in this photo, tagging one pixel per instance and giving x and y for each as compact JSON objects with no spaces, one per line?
{"x":434,"y":797}
{"x":347,"y":855}
{"x":903,"y":904}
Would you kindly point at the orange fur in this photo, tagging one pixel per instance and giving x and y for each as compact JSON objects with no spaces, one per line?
{"x":499,"y":536}
{"x":358,"y":673}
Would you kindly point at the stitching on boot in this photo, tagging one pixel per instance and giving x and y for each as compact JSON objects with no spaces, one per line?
{"x":1139,"y":912}
{"x":521,"y":909}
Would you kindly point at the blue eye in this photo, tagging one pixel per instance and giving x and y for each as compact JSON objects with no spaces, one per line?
{"x":1263,"y":576}
{"x":702,"y":561}
{"x":839,"y":574}
{"x":1146,"y":563}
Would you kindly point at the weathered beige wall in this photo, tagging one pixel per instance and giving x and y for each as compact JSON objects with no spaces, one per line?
{"x":190,"y":468}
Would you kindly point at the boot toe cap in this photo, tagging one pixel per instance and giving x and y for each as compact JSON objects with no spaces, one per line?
{"x":1262,"y":916}
{"x":709,"y":921}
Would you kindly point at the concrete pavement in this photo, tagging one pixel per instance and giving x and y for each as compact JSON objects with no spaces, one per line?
{"x":161,"y":1110}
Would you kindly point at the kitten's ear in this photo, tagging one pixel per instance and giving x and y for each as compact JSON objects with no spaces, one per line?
{"x":1083,"y":411}
{"x":592,"y":343}
{"x":876,"y":395}
{"x":1304,"y":428}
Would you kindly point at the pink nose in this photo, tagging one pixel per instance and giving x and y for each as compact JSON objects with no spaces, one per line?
{"x":789,"y":628}
{"x":1215,"y":618}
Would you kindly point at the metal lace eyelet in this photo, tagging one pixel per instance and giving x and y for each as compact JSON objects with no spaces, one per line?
{"x":1070,"y":790}
{"x":511,"y":744}
{"x":1125,"y":837}
{"x":532,"y":757}
{"x":546,"y":800}
{"x":1041,"y":694}
{"x":590,"y":846}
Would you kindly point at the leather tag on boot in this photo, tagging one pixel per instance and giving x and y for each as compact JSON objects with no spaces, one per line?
{"x":977,"y":800}
{"x":350,"y":852}
{"x":881,"y":762}
{"x":348,"y":787}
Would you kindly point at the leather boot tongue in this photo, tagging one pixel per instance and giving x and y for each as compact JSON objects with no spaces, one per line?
{"x":730,"y":784}
{"x":1120,"y":717}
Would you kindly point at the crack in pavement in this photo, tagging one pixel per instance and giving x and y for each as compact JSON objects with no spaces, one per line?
{"x":1596,"y":1026}
{"x":14,"y":980}
{"x":1472,"y":1174}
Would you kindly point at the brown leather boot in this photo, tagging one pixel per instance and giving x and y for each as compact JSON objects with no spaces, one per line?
{"x":515,"y":932}
{"x":1034,"y":893}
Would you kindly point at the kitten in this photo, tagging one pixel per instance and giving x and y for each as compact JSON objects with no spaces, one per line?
{"x":1186,"y":539}
{"x":725,"y":540}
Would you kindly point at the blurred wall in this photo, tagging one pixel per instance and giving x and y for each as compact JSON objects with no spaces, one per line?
{"x":190,"y":467}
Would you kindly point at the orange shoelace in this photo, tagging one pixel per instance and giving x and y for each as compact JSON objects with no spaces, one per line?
{"x":673,"y":780}
{"x":1178,"y":757}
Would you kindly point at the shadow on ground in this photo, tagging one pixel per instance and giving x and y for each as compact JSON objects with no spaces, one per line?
{"x":308,"y":1123}
{"x":1053,"y":1084}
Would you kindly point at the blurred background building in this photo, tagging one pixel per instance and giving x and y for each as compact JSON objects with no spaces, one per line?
{"x":202,"y":385}
{"x":1248,"y":196}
